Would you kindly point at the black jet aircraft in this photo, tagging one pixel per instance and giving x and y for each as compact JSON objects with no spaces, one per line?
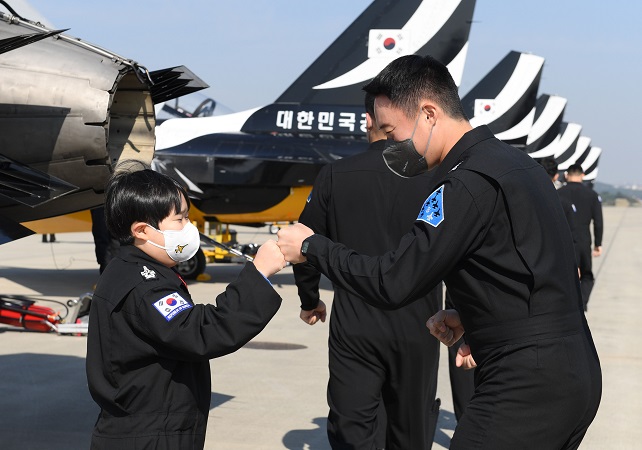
{"x":258,"y":166}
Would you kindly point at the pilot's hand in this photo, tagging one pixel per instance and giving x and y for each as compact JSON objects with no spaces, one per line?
{"x":597,"y":251}
{"x":269,"y":259}
{"x":464,"y":358}
{"x":446,"y":326}
{"x":313,"y":316}
{"x":290,"y":240}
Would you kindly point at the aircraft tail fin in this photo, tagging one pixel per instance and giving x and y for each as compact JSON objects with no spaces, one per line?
{"x":383,"y":32}
{"x":507,"y":94}
{"x":590,"y":163}
{"x":549,"y":112}
{"x":583,"y":146}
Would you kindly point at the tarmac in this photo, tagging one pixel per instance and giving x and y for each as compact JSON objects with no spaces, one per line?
{"x":271,"y":394}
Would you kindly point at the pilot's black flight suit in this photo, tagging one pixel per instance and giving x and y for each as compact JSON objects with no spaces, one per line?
{"x":494,"y":230}
{"x":589,"y":209}
{"x":374,"y":355}
{"x":149,"y":347}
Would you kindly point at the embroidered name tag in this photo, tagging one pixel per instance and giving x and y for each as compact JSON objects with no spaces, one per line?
{"x":170,"y":305}
{"x":432,"y":211}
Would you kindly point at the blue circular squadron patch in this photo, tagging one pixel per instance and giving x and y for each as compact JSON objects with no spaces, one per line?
{"x":432,"y":211}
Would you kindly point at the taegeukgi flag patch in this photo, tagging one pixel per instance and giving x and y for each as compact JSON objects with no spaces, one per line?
{"x":170,"y":305}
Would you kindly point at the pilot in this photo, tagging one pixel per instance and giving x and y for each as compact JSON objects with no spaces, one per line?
{"x":375,"y":357}
{"x":149,"y":344}
{"x":492,"y":227}
{"x":589,"y":209}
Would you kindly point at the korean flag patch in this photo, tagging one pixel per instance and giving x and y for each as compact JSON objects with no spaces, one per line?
{"x":170,"y":305}
{"x":432,"y":211}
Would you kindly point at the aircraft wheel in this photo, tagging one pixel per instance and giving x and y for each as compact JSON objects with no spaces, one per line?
{"x":193,"y":267}
{"x":274,"y":228}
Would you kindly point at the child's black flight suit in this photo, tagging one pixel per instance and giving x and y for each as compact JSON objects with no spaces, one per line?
{"x":149,"y":347}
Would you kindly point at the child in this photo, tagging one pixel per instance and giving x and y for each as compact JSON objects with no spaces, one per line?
{"x":149,"y":344}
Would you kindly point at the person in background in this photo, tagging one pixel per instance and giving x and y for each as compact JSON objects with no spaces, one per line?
{"x":376,"y":358}
{"x":570,"y":211}
{"x":589,"y":209}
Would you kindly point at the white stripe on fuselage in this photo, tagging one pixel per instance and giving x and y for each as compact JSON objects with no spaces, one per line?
{"x":173,"y":132}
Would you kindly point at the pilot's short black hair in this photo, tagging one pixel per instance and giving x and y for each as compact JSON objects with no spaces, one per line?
{"x":369,"y":102}
{"x":575,"y":169}
{"x":550,"y":165}
{"x":136,"y":194}
{"x":408,"y":80}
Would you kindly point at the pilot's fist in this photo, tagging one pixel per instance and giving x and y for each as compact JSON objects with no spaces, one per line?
{"x":290,"y":240}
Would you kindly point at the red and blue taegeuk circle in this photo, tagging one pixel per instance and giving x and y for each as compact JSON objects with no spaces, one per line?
{"x":389,"y":43}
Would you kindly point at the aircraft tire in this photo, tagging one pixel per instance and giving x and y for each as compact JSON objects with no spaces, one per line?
{"x":193,"y":267}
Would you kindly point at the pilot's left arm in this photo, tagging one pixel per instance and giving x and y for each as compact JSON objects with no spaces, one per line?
{"x":314,"y":216}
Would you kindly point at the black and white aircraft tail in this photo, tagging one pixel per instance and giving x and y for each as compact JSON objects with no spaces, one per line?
{"x":549,"y":112}
{"x":590,"y":163}
{"x":331,"y":86}
{"x":505,"y":98}
{"x":383,"y":32}
{"x":577,"y":155}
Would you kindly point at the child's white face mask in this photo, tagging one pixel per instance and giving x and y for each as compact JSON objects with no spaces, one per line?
{"x":180,"y":245}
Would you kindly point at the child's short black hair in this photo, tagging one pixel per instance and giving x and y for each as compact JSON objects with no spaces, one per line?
{"x":135,"y":195}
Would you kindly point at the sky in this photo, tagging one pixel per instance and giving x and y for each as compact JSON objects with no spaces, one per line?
{"x":250,"y":51}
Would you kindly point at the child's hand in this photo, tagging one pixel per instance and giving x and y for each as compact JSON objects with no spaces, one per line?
{"x":269,"y":259}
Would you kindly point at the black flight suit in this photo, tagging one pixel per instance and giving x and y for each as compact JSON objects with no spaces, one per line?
{"x":589,"y":209}
{"x":494,"y":230}
{"x":374,"y":355}
{"x":149,"y":346}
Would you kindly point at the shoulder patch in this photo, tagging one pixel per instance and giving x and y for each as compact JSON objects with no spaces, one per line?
{"x":432,"y":211}
{"x":170,"y":305}
{"x":148,"y":274}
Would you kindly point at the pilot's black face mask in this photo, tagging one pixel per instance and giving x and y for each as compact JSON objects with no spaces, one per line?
{"x":402,"y":158}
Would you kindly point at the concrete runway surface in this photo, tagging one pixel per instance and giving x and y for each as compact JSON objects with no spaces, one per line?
{"x":271,"y":393}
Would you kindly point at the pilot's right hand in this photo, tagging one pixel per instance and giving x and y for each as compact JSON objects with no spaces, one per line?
{"x":313,"y":316}
{"x":446,"y":326}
